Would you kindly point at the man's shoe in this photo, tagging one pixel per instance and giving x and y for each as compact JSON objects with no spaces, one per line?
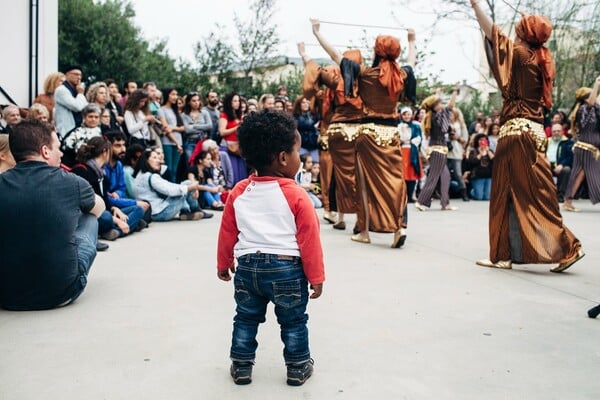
{"x":399,"y":239}
{"x":111,"y":235}
{"x":191,"y":216}
{"x":566,"y":264}
{"x":297,"y":374}
{"x":420,"y":206}
{"x":339,"y":225}
{"x":141,"y":225}
{"x":499,"y":264}
{"x":206,"y":215}
{"x":241,"y":372}
{"x":101,"y":246}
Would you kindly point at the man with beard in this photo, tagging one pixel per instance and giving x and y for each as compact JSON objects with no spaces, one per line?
{"x":117,"y":193}
{"x":212,"y":106}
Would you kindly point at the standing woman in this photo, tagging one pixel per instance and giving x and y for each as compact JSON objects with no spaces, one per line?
{"x":410,"y":143}
{"x":173,"y":127}
{"x":585,"y":122}
{"x":459,"y":136}
{"x":53,"y":81}
{"x":307,"y":121}
{"x":196,"y":121}
{"x":381,"y":189}
{"x":231,"y":116}
{"x":137,"y":116}
{"x":525,"y":222}
{"x":436,"y":126}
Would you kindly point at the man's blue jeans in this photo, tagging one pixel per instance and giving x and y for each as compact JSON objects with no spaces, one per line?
{"x":177,"y":204}
{"x":260,"y":279}
{"x":86,"y":236}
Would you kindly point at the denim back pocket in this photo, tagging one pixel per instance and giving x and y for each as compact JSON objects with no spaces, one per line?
{"x":241,"y":294}
{"x":287,"y":294}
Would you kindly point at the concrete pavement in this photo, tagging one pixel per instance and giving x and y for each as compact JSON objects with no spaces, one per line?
{"x":421,"y":322}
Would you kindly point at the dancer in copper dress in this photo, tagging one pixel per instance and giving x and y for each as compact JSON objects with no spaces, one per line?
{"x":525,"y":224}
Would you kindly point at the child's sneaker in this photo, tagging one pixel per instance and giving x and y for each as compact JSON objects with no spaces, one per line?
{"x":297,"y":374}
{"x":241,"y":372}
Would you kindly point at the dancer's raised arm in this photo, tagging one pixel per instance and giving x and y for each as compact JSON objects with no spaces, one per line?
{"x":412,"y":48}
{"x":329,"y":49}
{"x":485,"y":22}
{"x":452,"y":102}
{"x":594,"y":95}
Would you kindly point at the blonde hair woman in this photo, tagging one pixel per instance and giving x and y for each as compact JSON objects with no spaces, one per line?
{"x":7,"y":160}
{"x":38,"y":111}
{"x":52,"y":81}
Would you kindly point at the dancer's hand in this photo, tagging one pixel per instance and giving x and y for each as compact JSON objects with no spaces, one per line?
{"x":316,"y":24}
{"x":301,"y":49}
{"x":411,"y":35}
{"x":317,"y":290}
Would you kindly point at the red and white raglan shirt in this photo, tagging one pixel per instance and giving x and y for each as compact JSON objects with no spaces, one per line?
{"x":271,"y":215}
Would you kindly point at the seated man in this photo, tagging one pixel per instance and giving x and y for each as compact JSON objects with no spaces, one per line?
{"x":560,"y":155}
{"x":113,"y":170}
{"x":49,"y":224}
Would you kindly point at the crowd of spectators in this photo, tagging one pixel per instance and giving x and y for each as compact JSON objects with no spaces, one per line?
{"x":154,"y":155}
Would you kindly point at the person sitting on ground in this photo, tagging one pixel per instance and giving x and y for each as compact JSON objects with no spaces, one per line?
{"x":115,"y":175}
{"x":132,"y":155}
{"x":304,"y":179}
{"x":203,"y":172}
{"x":115,"y":223}
{"x":168,"y":200}
{"x":271,"y":227}
{"x":12,"y":116}
{"x":51,"y":244}
{"x":38,"y":111}
{"x":7,"y":161}
{"x":79,"y":136}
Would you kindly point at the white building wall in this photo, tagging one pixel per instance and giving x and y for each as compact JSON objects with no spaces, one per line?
{"x":15,"y":53}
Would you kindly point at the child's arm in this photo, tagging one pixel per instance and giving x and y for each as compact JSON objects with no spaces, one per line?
{"x":228,"y":237}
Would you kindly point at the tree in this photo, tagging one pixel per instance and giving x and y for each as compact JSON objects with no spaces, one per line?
{"x":258,"y":35}
{"x":102,"y":39}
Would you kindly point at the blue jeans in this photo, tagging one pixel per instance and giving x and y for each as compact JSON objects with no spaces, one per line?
{"x":210,"y":198}
{"x":172,"y":157}
{"x":176,"y":205}
{"x":264,"y":278}
{"x":315,"y":200}
{"x":105,"y":221}
{"x":86,"y":236}
{"x":188,"y":148}
{"x":480,"y":188}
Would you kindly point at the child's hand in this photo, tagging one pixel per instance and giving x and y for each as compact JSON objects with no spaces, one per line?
{"x":224,"y":274}
{"x":317,"y":290}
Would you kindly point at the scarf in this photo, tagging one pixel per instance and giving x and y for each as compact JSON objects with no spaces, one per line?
{"x":388,"y":48}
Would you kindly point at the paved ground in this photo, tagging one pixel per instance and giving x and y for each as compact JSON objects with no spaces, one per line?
{"x":422,"y":322}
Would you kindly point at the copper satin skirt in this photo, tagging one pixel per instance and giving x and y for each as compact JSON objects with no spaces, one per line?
{"x":343,"y":159}
{"x":382,"y":190}
{"x":525,"y":222}
{"x":326,"y":171}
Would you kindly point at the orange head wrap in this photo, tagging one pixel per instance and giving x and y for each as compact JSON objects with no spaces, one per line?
{"x":388,"y":48}
{"x":536,"y":30}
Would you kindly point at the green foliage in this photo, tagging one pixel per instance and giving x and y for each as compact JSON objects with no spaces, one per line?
{"x":101,"y":37}
{"x":476,"y":104}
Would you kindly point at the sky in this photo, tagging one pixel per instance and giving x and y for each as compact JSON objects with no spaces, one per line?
{"x":456,"y":44}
